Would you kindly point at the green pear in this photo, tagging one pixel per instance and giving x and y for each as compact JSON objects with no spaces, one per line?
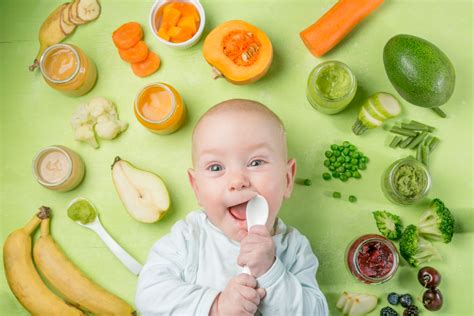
{"x":143,"y":193}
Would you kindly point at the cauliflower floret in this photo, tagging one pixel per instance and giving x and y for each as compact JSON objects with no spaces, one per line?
{"x":101,"y":113}
{"x":85,"y":133}
{"x":81,"y":116}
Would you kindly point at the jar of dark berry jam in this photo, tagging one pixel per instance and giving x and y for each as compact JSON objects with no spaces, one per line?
{"x":372,"y":259}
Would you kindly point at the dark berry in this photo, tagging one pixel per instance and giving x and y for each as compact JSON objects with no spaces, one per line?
{"x":406,"y":300}
{"x":393,"y":298}
{"x":411,"y":310}
{"x":388,"y":311}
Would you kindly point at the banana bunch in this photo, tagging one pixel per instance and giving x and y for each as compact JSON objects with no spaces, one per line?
{"x":63,"y":21}
{"x":81,"y":294}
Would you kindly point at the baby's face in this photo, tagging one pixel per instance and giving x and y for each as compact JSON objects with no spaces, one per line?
{"x":238,"y":155}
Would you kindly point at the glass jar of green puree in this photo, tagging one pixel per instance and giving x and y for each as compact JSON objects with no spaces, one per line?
{"x":406,"y":181}
{"x":331,"y":87}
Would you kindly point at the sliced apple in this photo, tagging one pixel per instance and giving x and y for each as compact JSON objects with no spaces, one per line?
{"x":348,"y":304}
{"x":363,"y":304}
{"x":342,"y":300}
{"x":143,"y":193}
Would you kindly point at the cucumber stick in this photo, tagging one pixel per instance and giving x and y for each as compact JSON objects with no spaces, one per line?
{"x":378,"y":108}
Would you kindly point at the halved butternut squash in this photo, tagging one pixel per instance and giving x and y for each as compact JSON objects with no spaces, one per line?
{"x":238,"y":51}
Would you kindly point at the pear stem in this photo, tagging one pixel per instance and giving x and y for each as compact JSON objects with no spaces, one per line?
{"x":117,"y":159}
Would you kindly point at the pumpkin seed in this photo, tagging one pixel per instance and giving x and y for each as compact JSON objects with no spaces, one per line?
{"x":245,"y":57}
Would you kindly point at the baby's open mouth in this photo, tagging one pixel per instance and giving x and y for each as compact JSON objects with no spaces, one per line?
{"x":239,"y":211}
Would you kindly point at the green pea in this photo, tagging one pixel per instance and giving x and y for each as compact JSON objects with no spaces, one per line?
{"x":340,"y":148}
{"x":327,"y":163}
{"x":334,"y":147}
{"x":326,"y":176}
{"x":355,"y":155}
{"x":356,"y":174}
{"x":340,"y":159}
{"x":332,"y":168}
{"x":335,"y":174}
{"x":341,"y":169}
{"x":352,"y":147}
{"x":336,"y":153}
{"x":352,"y":199}
{"x":354,"y":168}
{"x":337,"y":164}
{"x":354,"y":161}
{"x":332,"y":159}
{"x":351,"y":153}
{"x":365,"y":159}
{"x":346,"y":151}
{"x":346,"y":143}
{"x":362,"y":166}
{"x":328,"y":153}
{"x":336,"y":195}
{"x":347,"y":165}
{"x":343,"y":177}
{"x":348,"y":174}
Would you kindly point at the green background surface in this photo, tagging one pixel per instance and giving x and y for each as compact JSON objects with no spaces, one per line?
{"x":34,"y":116}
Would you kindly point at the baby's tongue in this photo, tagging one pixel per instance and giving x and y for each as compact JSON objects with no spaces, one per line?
{"x":239,"y":211}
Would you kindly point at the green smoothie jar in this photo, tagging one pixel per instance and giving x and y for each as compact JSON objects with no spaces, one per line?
{"x":331,"y":87}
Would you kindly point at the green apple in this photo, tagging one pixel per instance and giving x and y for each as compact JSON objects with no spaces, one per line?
{"x":143,"y":193}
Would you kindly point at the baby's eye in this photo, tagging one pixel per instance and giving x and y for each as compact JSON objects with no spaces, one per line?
{"x":256,"y":163}
{"x":215,"y":168}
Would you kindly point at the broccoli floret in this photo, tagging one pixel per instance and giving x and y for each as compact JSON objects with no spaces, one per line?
{"x":437,"y":222}
{"x":415,"y":249}
{"x":388,"y":224}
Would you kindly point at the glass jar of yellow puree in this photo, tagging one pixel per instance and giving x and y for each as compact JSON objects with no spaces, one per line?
{"x":67,"y":69}
{"x":160,"y":108}
{"x":331,"y":87}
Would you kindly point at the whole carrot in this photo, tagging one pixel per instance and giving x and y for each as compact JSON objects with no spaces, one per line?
{"x":335,"y":24}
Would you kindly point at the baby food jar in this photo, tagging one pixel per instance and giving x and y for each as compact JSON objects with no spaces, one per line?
{"x":67,"y":69}
{"x":331,"y":87}
{"x":372,"y":259}
{"x":160,"y":108}
{"x":406,"y":181}
{"x":58,"y":168}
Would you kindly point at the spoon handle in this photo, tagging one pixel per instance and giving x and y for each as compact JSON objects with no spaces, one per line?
{"x":133,"y":265}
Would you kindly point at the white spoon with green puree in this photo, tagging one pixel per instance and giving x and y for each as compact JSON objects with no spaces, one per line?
{"x":83,"y":212}
{"x":256,"y":214}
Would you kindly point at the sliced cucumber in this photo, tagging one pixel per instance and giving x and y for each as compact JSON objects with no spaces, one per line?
{"x":372,"y":110}
{"x":368,"y":120}
{"x":386,"y":104}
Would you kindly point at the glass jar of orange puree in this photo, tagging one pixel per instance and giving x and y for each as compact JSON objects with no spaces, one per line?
{"x":67,"y":69}
{"x":160,"y":108}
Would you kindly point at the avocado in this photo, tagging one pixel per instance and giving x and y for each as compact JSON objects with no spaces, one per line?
{"x":420,"y":72}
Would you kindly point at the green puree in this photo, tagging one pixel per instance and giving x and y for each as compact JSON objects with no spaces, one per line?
{"x":333,"y":82}
{"x":410,"y":180}
{"x":81,"y":211}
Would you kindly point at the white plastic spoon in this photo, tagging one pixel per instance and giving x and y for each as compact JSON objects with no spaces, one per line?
{"x":256,"y":214}
{"x":128,"y":261}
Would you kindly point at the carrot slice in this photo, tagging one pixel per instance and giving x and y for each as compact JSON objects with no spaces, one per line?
{"x":148,"y":66}
{"x":335,"y":24}
{"x":135,"y":54}
{"x":127,"y":35}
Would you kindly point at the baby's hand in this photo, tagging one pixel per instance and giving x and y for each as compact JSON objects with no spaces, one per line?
{"x":257,"y":250}
{"x":239,"y":297}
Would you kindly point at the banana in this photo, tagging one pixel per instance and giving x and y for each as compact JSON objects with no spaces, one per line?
{"x":70,"y":282}
{"x":22,"y":277}
{"x":50,"y":33}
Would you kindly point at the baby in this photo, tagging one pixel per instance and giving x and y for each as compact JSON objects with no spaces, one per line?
{"x":239,"y":150}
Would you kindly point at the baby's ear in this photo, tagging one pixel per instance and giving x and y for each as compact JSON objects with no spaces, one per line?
{"x":192,"y":181}
{"x":290,"y":177}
